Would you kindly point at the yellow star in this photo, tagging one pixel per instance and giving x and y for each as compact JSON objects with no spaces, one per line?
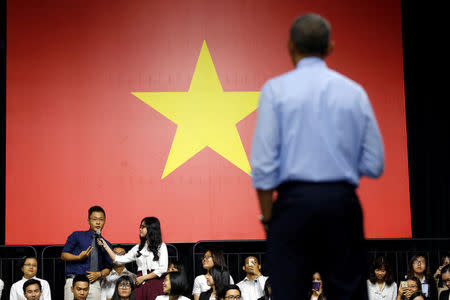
{"x":206,"y":116}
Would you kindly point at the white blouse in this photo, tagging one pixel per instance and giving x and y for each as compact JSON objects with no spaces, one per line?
{"x":201,"y":286}
{"x":387,"y":292}
{"x":166,"y":297}
{"x":145,"y":261}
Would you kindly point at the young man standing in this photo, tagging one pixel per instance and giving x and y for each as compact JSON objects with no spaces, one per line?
{"x":83,"y":256}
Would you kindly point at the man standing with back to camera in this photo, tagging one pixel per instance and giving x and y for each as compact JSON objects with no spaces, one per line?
{"x":316,"y":135}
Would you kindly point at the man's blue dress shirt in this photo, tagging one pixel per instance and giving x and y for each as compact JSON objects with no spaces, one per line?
{"x":79,"y":241}
{"x":314,"y":125}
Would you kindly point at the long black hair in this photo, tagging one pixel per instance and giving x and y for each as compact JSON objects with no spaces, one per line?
{"x":427,"y":273}
{"x":178,"y":284}
{"x":379,"y":263}
{"x":153,"y":237}
{"x":221,"y":278}
{"x":124,"y":278}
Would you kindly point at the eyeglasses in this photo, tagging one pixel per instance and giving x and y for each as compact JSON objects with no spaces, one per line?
{"x":446,"y":280}
{"x":142,"y":227}
{"x":206,"y":257}
{"x":30,"y":265}
{"x":95,"y":219}
{"x":233,"y":297}
{"x":125,"y":285}
{"x":419,"y":261}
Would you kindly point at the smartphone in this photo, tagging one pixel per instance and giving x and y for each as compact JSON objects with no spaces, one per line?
{"x":251,"y":261}
{"x":404,"y":284}
{"x":316,"y":285}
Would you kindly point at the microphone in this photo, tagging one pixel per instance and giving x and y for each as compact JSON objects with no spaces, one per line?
{"x":98,"y":233}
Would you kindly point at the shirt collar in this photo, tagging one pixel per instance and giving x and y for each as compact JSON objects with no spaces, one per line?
{"x":311,"y":61}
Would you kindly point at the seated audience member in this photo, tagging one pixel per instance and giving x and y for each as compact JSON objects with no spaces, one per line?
{"x":29,"y":270}
{"x":175,"y":266}
{"x":418,"y":268}
{"x":380,"y":284}
{"x":212,"y":257}
{"x":231,"y":292}
{"x":412,"y":286}
{"x":445,"y":260}
{"x":317,"y":288}
{"x":124,"y":289}
{"x":217,"y":279}
{"x":267,"y":290}
{"x":32,"y":289}
{"x":108,"y":283}
{"x":252,"y":286}
{"x":445,"y":274}
{"x":80,"y":287}
{"x":2,"y":285}
{"x":175,"y":285}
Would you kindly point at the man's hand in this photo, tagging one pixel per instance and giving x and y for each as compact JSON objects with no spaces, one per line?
{"x":85,"y":254}
{"x":254,"y":270}
{"x":93,"y":276}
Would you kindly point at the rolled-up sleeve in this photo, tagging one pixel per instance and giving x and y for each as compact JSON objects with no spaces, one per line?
{"x":265,"y":157}
{"x":71,"y":243}
{"x":163,"y":261}
{"x":371,"y":159}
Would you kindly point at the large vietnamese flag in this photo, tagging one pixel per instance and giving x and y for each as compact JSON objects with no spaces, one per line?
{"x":147,"y":108}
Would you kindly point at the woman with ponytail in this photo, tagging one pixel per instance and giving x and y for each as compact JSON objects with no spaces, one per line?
{"x":151,"y":258}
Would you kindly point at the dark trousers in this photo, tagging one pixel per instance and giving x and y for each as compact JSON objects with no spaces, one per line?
{"x":317,"y":227}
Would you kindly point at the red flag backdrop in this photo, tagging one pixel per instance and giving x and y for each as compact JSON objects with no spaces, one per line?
{"x":77,"y":136}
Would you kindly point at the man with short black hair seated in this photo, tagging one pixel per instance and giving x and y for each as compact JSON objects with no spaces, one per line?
{"x":32,"y":289}
{"x":80,"y":287}
{"x":231,"y":292}
{"x":108,"y":283}
{"x":252,"y":286}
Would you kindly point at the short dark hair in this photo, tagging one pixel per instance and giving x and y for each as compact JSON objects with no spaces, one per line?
{"x":379,"y":263}
{"x":31,"y":282}
{"x":24,"y":259}
{"x":229,"y":287}
{"x":80,"y":278}
{"x":245,"y":258}
{"x":310,"y":34}
{"x":178,"y":283}
{"x":96,"y":209}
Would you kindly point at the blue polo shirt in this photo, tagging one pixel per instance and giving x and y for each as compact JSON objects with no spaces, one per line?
{"x":79,"y":241}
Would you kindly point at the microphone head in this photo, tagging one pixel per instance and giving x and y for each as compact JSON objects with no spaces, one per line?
{"x":98,"y":232}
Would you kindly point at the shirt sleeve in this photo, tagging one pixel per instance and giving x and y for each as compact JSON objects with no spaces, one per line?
{"x":163,"y":261}
{"x":107,"y":262}
{"x":46,"y":293}
{"x":71,"y":243}
{"x":371,"y":162}
{"x":196,"y":290}
{"x":265,"y":157}
{"x":128,"y":257}
{"x":13,"y":293}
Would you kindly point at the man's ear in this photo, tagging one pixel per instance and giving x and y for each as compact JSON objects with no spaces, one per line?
{"x":243,"y":268}
{"x":330,"y":48}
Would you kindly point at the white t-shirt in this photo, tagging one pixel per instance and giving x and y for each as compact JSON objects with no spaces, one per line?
{"x":2,"y":285}
{"x":201,"y":286}
{"x":252,"y":289}
{"x":166,"y":297}
{"x":387,"y":292}
{"x":17,"y":290}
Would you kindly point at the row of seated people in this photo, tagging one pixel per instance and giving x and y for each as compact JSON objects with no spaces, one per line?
{"x":418,"y":284}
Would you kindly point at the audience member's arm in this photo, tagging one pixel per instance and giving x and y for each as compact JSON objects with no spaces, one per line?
{"x":46,"y":294}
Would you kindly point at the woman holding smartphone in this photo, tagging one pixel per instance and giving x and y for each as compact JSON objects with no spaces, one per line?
{"x":151,"y":258}
{"x":317,"y":288}
{"x":380,"y":284}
